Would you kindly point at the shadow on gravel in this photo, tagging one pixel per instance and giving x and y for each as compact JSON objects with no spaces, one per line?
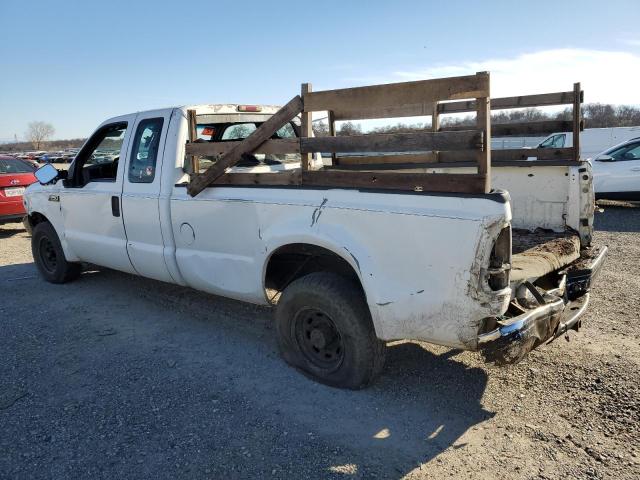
{"x":10,"y":229}
{"x":115,"y":375}
{"x":618,"y":217}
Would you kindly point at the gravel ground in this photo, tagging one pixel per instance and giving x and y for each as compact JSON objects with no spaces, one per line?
{"x":115,"y":376}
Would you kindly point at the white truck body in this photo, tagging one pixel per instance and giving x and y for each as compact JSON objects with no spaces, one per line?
{"x":423,"y":260}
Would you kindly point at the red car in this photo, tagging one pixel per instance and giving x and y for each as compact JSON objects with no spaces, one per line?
{"x":15,"y":176}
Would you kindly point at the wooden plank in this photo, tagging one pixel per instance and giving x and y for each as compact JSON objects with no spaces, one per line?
{"x":193,"y":136}
{"x":460,"y":164}
{"x":306,"y":125}
{"x":532,"y":128}
{"x":394,"y":142}
{"x":577,"y":116}
{"x":523,"y":101}
{"x":289,"y":177}
{"x":522,"y":128}
{"x":424,"y":157}
{"x":378,"y":98}
{"x":427,"y":157}
{"x":279,"y":146}
{"x":483,"y":123}
{"x":249,"y":144}
{"x":539,"y":153}
{"x":437,"y":182}
{"x":391,"y":111}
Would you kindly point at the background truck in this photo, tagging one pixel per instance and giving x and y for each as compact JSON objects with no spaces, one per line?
{"x":230,"y":200}
{"x":593,"y":141}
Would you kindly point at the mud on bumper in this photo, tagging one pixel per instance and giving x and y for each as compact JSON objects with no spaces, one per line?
{"x":559,"y":310}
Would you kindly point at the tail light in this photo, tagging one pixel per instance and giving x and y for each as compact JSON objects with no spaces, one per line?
{"x":249,"y":108}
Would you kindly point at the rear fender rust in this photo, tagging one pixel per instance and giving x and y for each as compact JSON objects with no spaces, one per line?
{"x":496,"y":302}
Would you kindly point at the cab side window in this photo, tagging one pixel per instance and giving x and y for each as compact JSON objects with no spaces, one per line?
{"x":144,"y":154}
{"x":98,"y":159}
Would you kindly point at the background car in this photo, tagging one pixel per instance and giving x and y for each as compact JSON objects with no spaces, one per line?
{"x":15,"y":176}
{"x":616,"y":172}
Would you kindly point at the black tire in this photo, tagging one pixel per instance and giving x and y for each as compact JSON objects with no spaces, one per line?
{"x":311,"y":312}
{"x":49,"y":257}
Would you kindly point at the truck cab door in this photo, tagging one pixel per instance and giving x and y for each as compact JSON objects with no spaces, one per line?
{"x":141,"y":195}
{"x":90,"y":199}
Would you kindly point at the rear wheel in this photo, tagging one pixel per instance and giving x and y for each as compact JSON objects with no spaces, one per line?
{"x":49,"y":256}
{"x":325,"y":330}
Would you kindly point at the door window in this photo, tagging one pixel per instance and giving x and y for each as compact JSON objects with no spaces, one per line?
{"x":626,"y":152}
{"x":144,"y":154}
{"x":98,"y":159}
{"x":557,"y":141}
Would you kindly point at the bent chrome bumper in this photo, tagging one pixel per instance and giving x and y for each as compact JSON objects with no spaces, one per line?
{"x":559,"y":311}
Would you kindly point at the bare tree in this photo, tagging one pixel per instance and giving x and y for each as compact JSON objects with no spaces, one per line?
{"x":320,"y":129}
{"x":349,"y":128}
{"x":38,"y":132}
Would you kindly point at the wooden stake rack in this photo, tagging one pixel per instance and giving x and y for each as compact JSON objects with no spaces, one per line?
{"x":381,"y":158}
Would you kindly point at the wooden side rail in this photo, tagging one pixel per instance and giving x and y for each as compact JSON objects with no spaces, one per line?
{"x":376,"y":101}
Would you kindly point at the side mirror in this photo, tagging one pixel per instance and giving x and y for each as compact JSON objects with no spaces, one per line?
{"x":47,"y":174}
{"x":605,"y":158}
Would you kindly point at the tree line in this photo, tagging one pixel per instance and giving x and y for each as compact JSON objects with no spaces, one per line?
{"x":596,"y":115}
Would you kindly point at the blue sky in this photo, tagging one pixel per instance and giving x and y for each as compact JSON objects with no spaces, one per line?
{"x":75,"y":63}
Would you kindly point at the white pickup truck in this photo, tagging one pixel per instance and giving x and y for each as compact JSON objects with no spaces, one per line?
{"x":347,"y":269}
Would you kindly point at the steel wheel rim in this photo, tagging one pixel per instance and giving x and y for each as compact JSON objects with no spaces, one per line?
{"x":47,"y":253}
{"x":318,"y":339}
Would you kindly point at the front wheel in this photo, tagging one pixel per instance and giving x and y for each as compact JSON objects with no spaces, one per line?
{"x":49,"y":256}
{"x":325,"y":330}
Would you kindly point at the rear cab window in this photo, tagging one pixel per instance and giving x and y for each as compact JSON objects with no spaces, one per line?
{"x":235,"y":131}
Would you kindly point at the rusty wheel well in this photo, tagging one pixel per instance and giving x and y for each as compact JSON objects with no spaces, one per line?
{"x":296,"y":260}
{"x":36,"y":218}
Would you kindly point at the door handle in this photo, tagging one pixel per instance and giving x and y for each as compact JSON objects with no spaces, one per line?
{"x":635,"y":169}
{"x":115,"y":206}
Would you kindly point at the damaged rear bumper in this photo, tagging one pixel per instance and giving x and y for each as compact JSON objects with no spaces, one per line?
{"x":559,"y":311}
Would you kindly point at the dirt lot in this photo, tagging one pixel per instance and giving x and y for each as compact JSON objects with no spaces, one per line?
{"x":115,"y":376}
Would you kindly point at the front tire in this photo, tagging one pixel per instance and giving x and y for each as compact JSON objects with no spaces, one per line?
{"x":325,"y":330}
{"x":49,"y":256}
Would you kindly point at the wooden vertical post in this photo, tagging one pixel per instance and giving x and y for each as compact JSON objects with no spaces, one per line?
{"x":193,"y":136}
{"x":435,"y":118}
{"x":435,"y":125}
{"x":483,"y":123}
{"x":577,"y":117}
{"x":332,"y":133}
{"x":306,"y":129}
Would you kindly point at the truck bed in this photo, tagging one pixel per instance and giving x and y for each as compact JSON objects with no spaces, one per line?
{"x":540,"y":252}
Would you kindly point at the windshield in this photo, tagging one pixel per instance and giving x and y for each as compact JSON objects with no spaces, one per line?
{"x":13,"y":165}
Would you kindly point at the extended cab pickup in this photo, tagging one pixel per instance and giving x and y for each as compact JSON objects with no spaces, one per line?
{"x":347,"y":269}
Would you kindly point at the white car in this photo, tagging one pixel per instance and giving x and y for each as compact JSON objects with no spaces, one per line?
{"x":617,"y":172}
